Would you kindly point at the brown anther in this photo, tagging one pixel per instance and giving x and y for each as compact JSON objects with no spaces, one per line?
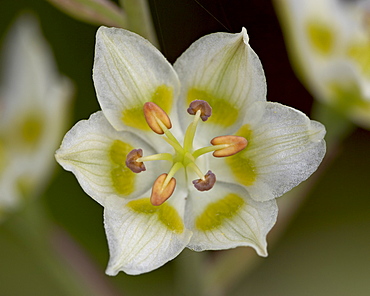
{"x":132,"y":163}
{"x":203,"y":106}
{"x":234,"y":144}
{"x":207,"y":183}
{"x":154,"y":114}
{"x":161,"y":193}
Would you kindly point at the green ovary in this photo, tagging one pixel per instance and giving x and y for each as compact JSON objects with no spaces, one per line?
{"x":223,"y":112}
{"x":216,"y":213}
{"x":134,"y":117}
{"x":242,"y":167}
{"x":123,"y":180}
{"x":320,"y":36}
{"x":167,"y":214}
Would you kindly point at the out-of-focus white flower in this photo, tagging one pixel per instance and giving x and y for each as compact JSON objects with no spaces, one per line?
{"x":151,"y":114}
{"x":329,"y":44}
{"x":34,"y":99}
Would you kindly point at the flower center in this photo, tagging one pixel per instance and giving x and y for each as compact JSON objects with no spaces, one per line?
{"x":185,"y":155}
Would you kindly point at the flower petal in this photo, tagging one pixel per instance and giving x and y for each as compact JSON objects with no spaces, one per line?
{"x":315,"y":31}
{"x":129,"y":71}
{"x":329,"y":44}
{"x":34,"y":106}
{"x":10,"y":195}
{"x":284,"y":148}
{"x":226,"y":217}
{"x":343,"y":91}
{"x":96,"y":154}
{"x":143,"y":237}
{"x":223,"y":70}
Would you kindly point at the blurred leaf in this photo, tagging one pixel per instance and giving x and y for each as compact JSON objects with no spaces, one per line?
{"x":139,"y":19}
{"x":99,"y":12}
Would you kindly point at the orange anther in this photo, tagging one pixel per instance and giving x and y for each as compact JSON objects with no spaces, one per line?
{"x":154,"y":115}
{"x":233,"y":145}
{"x":161,"y":191}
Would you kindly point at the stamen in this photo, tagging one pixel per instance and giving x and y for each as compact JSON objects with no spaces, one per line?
{"x":162,"y":190}
{"x":160,"y":123}
{"x":208,"y":149}
{"x":196,"y":169}
{"x":190,"y":131}
{"x":156,"y":118}
{"x":133,"y":162}
{"x":206,"y":183}
{"x":159,"y":156}
{"x":203,"y":106}
{"x":184,"y":156}
{"x":234,"y":144}
{"x":176,"y":145}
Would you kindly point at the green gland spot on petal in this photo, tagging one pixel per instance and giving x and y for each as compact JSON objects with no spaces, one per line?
{"x":345,"y":97}
{"x":166,"y":213}
{"x":223,"y":112}
{"x":320,"y":36}
{"x":134,"y":117}
{"x":31,"y":129}
{"x":242,"y":167}
{"x":123,"y":179}
{"x":360,"y":53}
{"x":217,"y":212}
{"x":348,"y":99}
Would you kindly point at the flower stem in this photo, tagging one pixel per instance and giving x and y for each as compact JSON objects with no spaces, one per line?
{"x":30,"y":232}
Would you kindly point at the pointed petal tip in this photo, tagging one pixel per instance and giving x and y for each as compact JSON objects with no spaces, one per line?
{"x":111,"y":272}
{"x":245,"y":35}
{"x":102,"y":30}
{"x":114,"y":270}
{"x":262,"y":250}
{"x":58,"y":156}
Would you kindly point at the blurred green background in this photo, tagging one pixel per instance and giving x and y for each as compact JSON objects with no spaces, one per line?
{"x":324,"y":251}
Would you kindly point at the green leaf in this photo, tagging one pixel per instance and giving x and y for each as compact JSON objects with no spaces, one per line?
{"x":99,"y":12}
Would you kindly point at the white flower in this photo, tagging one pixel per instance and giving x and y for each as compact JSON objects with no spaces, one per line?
{"x":33,"y":100}
{"x":329,"y":43}
{"x":150,"y":120}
